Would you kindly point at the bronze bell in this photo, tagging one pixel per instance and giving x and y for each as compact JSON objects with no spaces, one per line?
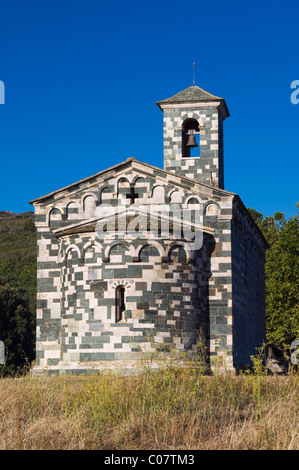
{"x":191,"y":141}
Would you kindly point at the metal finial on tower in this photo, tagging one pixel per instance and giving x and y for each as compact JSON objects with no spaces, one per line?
{"x":193,"y":73}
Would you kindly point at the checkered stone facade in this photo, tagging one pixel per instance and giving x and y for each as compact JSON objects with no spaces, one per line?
{"x":208,"y":167}
{"x":176,"y":292}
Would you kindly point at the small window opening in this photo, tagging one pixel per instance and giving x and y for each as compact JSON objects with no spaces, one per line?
{"x":190,"y":139}
{"x":120,"y":304}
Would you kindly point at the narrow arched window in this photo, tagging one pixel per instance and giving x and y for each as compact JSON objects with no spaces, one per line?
{"x":120,"y":304}
{"x":190,"y":138}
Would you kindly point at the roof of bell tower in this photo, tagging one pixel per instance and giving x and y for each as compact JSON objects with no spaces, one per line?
{"x":192,"y":94}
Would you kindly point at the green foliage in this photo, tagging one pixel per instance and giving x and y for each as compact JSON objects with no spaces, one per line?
{"x":17,"y":288}
{"x":282,"y":276}
{"x":16,"y":328}
{"x":257,"y":216}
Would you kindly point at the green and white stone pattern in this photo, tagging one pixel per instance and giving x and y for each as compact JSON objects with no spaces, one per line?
{"x":176,"y":293}
{"x":173,"y":295}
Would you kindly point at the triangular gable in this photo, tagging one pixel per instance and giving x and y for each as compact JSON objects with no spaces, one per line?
{"x":144,"y":169}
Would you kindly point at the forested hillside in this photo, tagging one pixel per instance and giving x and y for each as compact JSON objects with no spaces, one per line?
{"x":18,"y":283}
{"x":17,"y":288}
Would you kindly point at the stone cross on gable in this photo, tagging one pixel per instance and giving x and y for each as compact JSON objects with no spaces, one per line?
{"x":132,"y":195}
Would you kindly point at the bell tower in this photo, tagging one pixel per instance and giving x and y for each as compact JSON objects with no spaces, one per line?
{"x":193,"y":135}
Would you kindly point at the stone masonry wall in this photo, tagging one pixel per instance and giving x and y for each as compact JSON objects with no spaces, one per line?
{"x":248,"y":258}
{"x":171,"y":295}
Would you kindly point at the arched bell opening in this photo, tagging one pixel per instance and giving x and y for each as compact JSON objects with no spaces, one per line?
{"x":190,"y":138}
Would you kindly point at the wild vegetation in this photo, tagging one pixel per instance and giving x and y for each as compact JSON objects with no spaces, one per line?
{"x":170,"y":408}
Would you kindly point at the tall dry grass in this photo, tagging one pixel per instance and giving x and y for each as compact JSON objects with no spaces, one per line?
{"x":167,"y":409}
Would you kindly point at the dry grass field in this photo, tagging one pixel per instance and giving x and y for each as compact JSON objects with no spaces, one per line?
{"x":168,"y":409}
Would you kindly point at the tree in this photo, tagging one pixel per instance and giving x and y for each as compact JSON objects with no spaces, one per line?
{"x":17,"y":288}
{"x":16,"y":328}
{"x":282,"y":278}
{"x":257,"y":216}
{"x":282,"y":285}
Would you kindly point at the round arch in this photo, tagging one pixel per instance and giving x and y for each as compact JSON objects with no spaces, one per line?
{"x":51,"y":210}
{"x":176,"y":244}
{"x":70,"y":248}
{"x":153,"y":243}
{"x":108,"y":249}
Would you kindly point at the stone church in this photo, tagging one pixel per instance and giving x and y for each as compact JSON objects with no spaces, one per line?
{"x":138,"y":258}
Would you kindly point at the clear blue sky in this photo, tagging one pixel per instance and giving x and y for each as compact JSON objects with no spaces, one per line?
{"x":82,"y":78}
